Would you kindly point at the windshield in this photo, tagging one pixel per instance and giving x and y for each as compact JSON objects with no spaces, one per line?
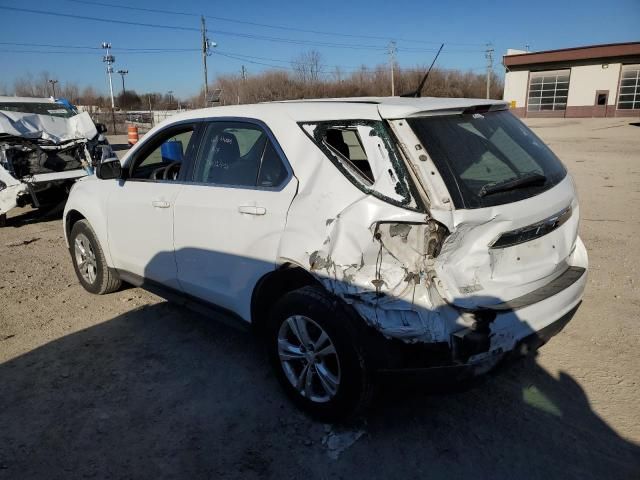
{"x":54,"y":109}
{"x":488,"y":159}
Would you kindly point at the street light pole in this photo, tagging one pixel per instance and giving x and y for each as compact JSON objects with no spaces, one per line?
{"x":109,"y":60}
{"x":53,"y":86}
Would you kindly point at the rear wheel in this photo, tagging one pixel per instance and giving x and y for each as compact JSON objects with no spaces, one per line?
{"x":316,"y":354}
{"x":89,"y":262}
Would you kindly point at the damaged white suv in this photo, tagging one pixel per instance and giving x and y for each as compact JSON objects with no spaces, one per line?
{"x":358,"y":236}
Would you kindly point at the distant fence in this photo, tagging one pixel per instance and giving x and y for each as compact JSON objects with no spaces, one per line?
{"x":117,"y":122}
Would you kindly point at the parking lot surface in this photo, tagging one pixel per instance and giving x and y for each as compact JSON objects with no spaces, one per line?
{"x":130,"y":386}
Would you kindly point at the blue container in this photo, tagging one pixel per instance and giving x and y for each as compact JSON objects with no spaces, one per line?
{"x":171,"y":151}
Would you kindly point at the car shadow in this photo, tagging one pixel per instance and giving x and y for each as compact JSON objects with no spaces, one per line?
{"x":161,"y":392}
{"x":28,"y":215}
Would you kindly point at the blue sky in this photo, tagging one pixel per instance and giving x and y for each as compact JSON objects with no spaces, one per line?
{"x":418,"y":27}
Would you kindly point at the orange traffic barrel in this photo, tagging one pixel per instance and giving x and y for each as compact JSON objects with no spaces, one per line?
{"x":132,"y":134}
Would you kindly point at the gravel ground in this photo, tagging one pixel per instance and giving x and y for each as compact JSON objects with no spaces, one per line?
{"x":129,"y":386}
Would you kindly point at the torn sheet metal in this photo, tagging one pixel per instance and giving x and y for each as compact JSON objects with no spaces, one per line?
{"x":390,"y":281}
{"x":47,"y":127}
{"x":472,"y":275}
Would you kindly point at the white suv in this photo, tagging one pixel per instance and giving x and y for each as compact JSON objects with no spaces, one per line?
{"x":358,"y":236}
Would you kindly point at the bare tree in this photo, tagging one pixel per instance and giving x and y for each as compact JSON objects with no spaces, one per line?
{"x":308,"y":66}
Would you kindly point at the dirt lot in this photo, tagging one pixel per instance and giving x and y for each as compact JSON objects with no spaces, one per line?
{"x":128,"y":386}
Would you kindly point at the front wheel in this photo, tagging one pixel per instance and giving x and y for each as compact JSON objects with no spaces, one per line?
{"x":88,"y":261}
{"x":315,"y":351}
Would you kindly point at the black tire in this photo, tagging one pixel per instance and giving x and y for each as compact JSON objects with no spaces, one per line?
{"x":355,"y":387}
{"x":106,"y":280}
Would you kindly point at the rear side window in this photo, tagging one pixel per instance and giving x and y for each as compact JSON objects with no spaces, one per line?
{"x":365,"y":152}
{"x":239,"y":154}
{"x":488,"y":159}
{"x":346,"y":143}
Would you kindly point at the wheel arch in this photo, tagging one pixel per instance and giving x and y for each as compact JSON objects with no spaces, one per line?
{"x":272,"y":286}
{"x":70,"y":219}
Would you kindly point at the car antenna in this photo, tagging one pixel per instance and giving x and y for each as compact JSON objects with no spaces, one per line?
{"x":418,"y":92}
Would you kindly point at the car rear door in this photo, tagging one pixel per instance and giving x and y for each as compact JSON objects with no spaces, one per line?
{"x":229,"y":219}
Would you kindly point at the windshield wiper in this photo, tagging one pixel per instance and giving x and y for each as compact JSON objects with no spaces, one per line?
{"x":526,"y":180}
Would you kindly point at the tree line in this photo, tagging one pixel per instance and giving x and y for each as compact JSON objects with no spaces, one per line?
{"x":307,"y":77}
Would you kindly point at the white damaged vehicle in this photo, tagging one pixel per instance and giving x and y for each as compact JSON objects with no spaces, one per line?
{"x":358,"y":236}
{"x":44,"y":148}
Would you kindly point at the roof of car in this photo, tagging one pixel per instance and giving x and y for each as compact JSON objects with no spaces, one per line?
{"x":346,"y":108}
{"x":7,"y":99}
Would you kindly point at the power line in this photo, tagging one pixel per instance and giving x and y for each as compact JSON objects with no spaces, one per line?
{"x":380,"y":48}
{"x":87,"y":47}
{"x":267,"y":25}
{"x":280,"y":60}
{"x":56,"y":52}
{"x":96,"y":19}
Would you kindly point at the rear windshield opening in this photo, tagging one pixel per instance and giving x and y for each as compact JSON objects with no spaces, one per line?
{"x":488,"y":159}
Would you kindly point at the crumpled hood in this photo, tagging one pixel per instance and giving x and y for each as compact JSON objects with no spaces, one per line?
{"x":47,"y":127}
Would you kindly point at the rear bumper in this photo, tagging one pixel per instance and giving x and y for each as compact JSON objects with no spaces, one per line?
{"x":512,"y":328}
{"x":461,"y":371}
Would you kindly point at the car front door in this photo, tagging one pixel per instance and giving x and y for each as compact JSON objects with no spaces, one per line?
{"x":141,"y":209}
{"x":229,"y":220}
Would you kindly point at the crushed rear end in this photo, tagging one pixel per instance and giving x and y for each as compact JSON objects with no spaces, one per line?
{"x":469,"y":253}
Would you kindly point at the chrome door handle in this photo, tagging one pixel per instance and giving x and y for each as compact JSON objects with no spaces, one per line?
{"x":160,"y":204}
{"x":251,"y":210}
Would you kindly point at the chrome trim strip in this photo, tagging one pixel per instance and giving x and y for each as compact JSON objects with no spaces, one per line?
{"x":531,"y":232}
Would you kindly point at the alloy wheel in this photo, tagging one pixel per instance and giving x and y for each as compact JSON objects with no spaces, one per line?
{"x":309,"y":358}
{"x":85,"y":258}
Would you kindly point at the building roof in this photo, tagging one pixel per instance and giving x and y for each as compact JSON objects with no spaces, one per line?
{"x":590,"y":52}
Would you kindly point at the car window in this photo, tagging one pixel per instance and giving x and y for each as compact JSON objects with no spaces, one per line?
{"x":365,"y":152}
{"x":238,"y":154}
{"x":163,"y":156}
{"x":347,"y":142}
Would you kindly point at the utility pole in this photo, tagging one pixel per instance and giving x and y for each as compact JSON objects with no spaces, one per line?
{"x":207,"y":45}
{"x":392,"y":50}
{"x":170,"y":92}
{"x":243,"y":75}
{"x":122,"y":74}
{"x":203,"y":29}
{"x":488,"y":54}
{"x":53,"y":87}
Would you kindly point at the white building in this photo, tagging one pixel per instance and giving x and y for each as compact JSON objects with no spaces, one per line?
{"x":591,"y":81}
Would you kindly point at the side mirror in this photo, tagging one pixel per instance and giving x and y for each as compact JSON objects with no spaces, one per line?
{"x":101,"y":128}
{"x":109,"y":169}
